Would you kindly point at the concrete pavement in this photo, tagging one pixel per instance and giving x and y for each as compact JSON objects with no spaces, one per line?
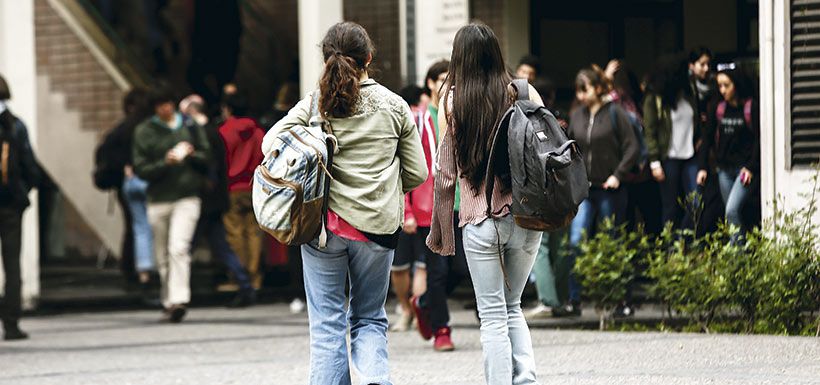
{"x":268,"y":345}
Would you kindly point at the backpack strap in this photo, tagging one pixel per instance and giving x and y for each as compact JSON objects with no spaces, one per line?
{"x":522,"y":87}
{"x":720,"y":112}
{"x":747,"y":112}
{"x":489,"y":176}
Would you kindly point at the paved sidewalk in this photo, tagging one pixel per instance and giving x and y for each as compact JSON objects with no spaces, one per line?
{"x":268,"y":345}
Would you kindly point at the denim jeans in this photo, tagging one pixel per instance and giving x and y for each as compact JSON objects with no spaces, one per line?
{"x":550,"y":270}
{"x":505,"y":336}
{"x":326,"y":271}
{"x":681,"y":176}
{"x":599,"y":205}
{"x":134,"y":190}
{"x":734,"y":193}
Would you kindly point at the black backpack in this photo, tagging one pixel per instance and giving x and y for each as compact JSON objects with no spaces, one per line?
{"x":109,"y":161}
{"x":547,"y":172}
{"x":10,"y":168}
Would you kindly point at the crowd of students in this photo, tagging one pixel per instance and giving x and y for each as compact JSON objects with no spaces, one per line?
{"x":405,"y":203}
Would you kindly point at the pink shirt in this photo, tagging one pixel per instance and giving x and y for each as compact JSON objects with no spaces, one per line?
{"x":340,"y":227}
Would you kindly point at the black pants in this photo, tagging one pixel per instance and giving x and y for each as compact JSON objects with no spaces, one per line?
{"x":444,"y":274}
{"x":10,"y":237}
{"x":127,"y":248}
{"x":644,"y":197}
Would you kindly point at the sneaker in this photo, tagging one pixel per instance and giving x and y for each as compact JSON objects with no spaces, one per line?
{"x":404,"y":324}
{"x":623,"y":311}
{"x":174,"y":314}
{"x":297,"y":306}
{"x":243,"y":299}
{"x":443,"y":343}
{"x":227,"y":287}
{"x":422,"y":318}
{"x":572,"y":309}
{"x":539,"y":312}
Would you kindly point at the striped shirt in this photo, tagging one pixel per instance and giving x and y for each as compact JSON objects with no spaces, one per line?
{"x":473,"y":208}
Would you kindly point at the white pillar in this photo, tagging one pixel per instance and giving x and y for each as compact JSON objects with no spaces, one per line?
{"x":17,"y":64}
{"x":315,"y":18}
{"x":435,"y":31}
{"x":516,"y":30}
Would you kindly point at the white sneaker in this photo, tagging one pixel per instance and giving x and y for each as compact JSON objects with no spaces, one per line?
{"x":403,"y":324}
{"x":297,"y":306}
{"x":539,"y":312}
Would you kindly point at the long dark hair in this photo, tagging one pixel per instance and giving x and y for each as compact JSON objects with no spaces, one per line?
{"x":478,"y":80}
{"x":346,"y":49}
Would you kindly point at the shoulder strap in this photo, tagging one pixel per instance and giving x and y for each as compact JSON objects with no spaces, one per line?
{"x":522,"y":87}
{"x":489,"y":176}
{"x":720,"y":112}
{"x":747,"y":112}
{"x":659,"y":105}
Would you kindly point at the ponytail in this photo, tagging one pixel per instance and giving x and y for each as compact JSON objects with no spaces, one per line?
{"x":347,"y":50}
{"x":339,"y":87}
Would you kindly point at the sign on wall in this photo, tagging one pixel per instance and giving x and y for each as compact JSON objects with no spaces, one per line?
{"x":437,"y":22}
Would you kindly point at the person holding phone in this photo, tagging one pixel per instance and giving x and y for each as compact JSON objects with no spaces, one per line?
{"x":733,"y":133}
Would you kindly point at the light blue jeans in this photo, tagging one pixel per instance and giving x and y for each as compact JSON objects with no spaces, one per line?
{"x":326,"y":271}
{"x":505,"y":336}
{"x":134,"y":189}
{"x":734,"y":193}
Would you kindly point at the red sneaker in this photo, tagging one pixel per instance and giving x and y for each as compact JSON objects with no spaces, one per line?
{"x":443,"y":343}
{"x":422,"y":318}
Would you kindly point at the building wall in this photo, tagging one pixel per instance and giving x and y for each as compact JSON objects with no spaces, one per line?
{"x":78,"y":99}
{"x":381,"y":20}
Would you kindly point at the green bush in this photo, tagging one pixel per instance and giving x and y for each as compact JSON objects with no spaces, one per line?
{"x":606,"y":266}
{"x":766,"y":281}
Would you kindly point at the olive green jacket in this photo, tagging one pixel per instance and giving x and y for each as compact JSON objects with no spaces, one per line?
{"x":170,"y":182}
{"x":657,"y":121}
{"x":380,"y":158}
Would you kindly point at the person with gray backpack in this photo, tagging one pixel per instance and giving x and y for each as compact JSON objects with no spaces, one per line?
{"x":508,"y":196}
{"x":335,"y":173}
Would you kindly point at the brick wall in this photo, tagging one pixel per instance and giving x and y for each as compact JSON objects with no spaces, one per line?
{"x":381,"y":20}
{"x":74,"y":71}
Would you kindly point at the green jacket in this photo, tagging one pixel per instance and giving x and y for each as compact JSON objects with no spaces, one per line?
{"x":380,"y":158}
{"x":168,"y":183}
{"x":657,"y":121}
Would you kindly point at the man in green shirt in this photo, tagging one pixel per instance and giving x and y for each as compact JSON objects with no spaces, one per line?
{"x":171,"y":153}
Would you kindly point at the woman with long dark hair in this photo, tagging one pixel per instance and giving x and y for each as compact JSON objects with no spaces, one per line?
{"x":477,"y":93}
{"x":673,"y":130}
{"x":733,"y":133}
{"x":379,"y":159}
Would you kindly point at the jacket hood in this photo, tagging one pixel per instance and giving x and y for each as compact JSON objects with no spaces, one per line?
{"x":244,"y":127}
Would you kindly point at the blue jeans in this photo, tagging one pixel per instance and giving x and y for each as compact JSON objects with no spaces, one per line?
{"x":326,"y":271}
{"x":505,"y":336}
{"x":599,"y":205}
{"x":734,"y":193}
{"x":681,"y":180}
{"x":134,"y":189}
{"x":212,"y":228}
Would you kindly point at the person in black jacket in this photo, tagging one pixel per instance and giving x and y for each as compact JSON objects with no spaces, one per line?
{"x":114,"y":169}
{"x":610,"y":149}
{"x":18,"y":174}
{"x":733,"y":134}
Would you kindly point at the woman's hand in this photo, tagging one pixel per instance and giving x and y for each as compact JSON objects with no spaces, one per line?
{"x":701,"y":178}
{"x":612,"y":183}
{"x":746,"y":176}
{"x":658,"y":175}
{"x":410,"y":226}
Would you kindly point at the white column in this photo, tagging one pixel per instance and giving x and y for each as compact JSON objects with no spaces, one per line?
{"x":435,"y":31}
{"x":516,"y":30}
{"x":17,"y":64}
{"x":315,"y":18}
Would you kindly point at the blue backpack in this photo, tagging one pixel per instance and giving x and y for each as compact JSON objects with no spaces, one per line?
{"x":291,"y":186}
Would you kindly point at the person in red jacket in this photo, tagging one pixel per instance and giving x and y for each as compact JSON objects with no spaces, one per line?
{"x":243,"y":152}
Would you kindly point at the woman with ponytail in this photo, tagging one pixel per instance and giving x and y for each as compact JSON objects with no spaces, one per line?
{"x":379,"y":159}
